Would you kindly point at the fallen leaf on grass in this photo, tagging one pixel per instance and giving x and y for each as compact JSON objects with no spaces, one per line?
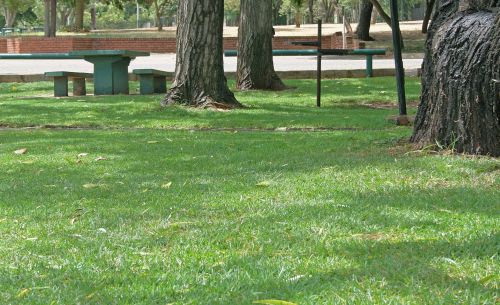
{"x":21,"y":151}
{"x":23,"y":292}
{"x":264,"y":184}
{"x":166,"y":185}
{"x":488,"y":278}
{"x":82,"y":155}
{"x":28,"y":162}
{"x":153,"y":142}
{"x":90,"y":185}
{"x":100,"y":158}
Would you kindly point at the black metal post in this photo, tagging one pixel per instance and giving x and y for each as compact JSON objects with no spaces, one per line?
{"x":398,"y":60}
{"x":318,"y":75}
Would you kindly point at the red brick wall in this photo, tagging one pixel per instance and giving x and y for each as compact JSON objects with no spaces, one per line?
{"x":3,"y":45}
{"x":153,"y":45}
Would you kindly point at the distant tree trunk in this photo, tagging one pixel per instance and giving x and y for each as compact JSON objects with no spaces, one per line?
{"x":365,"y":15}
{"x":298,"y":17}
{"x":159,"y":24}
{"x":53,"y":18}
{"x":428,"y":12}
{"x":460,"y":103}
{"x":79,"y":10}
{"x":93,"y":19}
{"x":46,"y":23}
{"x":199,"y":70}
{"x":381,"y":11}
{"x":255,"y":47}
{"x":10,"y":16}
{"x":374,"y":17}
{"x":310,"y":6}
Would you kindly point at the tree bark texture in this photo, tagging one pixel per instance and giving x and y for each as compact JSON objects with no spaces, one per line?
{"x":255,"y":47}
{"x":79,"y":10}
{"x":460,"y":103}
{"x":365,"y":15}
{"x":46,"y":24}
{"x":199,"y":71}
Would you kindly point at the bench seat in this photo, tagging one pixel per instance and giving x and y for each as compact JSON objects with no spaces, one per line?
{"x":61,"y":82}
{"x":152,"y":81}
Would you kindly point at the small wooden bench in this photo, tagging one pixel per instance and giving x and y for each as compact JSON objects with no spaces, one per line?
{"x":152,"y":81}
{"x":61,"y":82}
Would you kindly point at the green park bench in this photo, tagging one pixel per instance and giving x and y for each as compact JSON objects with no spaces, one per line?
{"x":61,"y":82}
{"x":152,"y":81}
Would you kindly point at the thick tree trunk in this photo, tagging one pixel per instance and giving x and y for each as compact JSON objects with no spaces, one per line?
{"x":79,"y":10}
{"x":199,"y":70}
{"x":460,"y":103}
{"x":365,"y":15}
{"x":93,"y":19}
{"x":255,"y":47}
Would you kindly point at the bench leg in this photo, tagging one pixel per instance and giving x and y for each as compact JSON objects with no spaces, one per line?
{"x":160,"y":84}
{"x":147,"y":83}
{"x":369,"y":65}
{"x":79,"y":86}
{"x":60,"y":86}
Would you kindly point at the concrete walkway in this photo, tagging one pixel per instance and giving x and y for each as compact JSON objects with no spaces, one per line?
{"x":166,"y":62}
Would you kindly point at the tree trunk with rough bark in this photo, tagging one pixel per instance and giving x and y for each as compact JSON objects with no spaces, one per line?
{"x":255,"y":47}
{"x":79,"y":10}
{"x":460,"y":103}
{"x":199,"y":71}
{"x":365,"y":15}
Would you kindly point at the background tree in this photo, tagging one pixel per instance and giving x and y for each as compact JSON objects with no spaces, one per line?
{"x":50,"y":20}
{"x":161,"y":8}
{"x":297,"y":5}
{"x":255,"y":59}
{"x":79,"y":12}
{"x":365,"y":15}
{"x":429,"y":7}
{"x":460,"y":103}
{"x":199,"y":71}
{"x":10,"y":9}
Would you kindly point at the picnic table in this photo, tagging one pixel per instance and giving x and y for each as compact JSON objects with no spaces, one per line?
{"x":110,"y":69}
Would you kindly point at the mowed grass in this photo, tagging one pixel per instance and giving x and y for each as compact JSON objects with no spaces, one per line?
{"x":344,"y":106}
{"x":161,"y":216}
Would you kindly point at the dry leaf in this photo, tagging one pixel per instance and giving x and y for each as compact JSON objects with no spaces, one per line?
{"x":21,"y":151}
{"x":100,"y":158}
{"x":90,"y":185}
{"x":166,"y":185}
{"x":82,"y":155}
{"x":264,"y":184}
{"x":23,"y":292}
{"x":153,"y":142}
{"x":281,"y":129}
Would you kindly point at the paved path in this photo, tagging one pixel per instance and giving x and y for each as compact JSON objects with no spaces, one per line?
{"x":166,"y":62}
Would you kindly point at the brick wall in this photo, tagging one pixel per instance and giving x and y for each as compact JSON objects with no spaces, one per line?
{"x":153,"y":45}
{"x":3,"y":45}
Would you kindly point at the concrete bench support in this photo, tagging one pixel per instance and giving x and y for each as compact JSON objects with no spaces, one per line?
{"x":152,"y":81}
{"x":61,"y":82}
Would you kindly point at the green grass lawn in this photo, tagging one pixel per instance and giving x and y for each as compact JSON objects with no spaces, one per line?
{"x":135,"y":211}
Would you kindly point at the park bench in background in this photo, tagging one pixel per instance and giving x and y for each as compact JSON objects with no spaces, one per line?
{"x":152,"y":81}
{"x":61,"y":82}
